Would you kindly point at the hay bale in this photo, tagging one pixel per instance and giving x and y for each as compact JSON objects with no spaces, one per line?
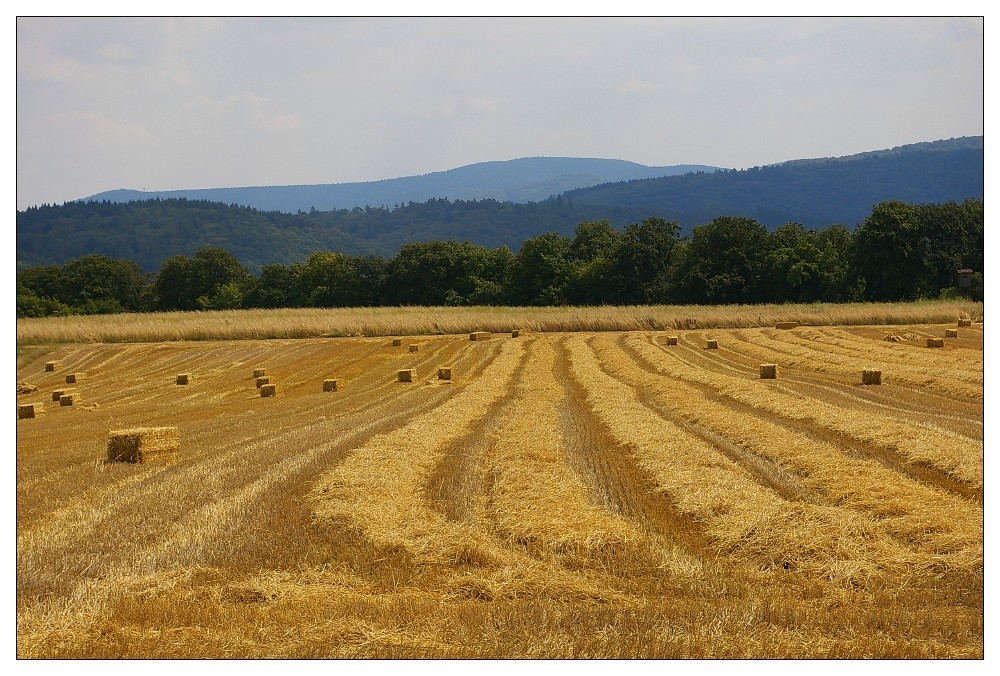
{"x":396,"y":342}
{"x":671,"y":340}
{"x":57,"y":394}
{"x":406,"y":375}
{"x":51,"y":365}
{"x":414,"y":347}
{"x":964,"y":322}
{"x":712,"y":345}
{"x":269,"y":390}
{"x":25,"y":388}
{"x":871,"y":377}
{"x":259,"y":373}
{"x":330,"y":385}
{"x":263,"y":380}
{"x":183,"y":378}
{"x":75,"y":377}
{"x":69,"y":399}
{"x":29,"y":410}
{"x":144,"y":445}
{"x":768,"y":371}
{"x":951,"y":333}
{"x":935,"y":342}
{"x":479,"y":335}
{"x":444,"y":373}
{"x":786,"y":325}
{"x":515,"y":333}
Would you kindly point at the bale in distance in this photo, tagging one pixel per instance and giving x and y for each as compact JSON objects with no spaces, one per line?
{"x":75,"y":378}
{"x":671,"y":340}
{"x":269,"y":390}
{"x":406,"y":375}
{"x":935,"y":342}
{"x":712,"y":345}
{"x":768,"y":371}
{"x":144,"y":445}
{"x":68,"y":399}
{"x":29,"y":410}
{"x":871,"y":377}
{"x":57,"y":394}
{"x":964,"y":322}
{"x":786,"y":325}
{"x":515,"y":333}
{"x":444,"y":373}
{"x":479,"y":335}
{"x":263,"y":380}
{"x":414,"y":347}
{"x":951,"y":333}
{"x":183,"y":378}
{"x":396,"y":342}
{"x":259,"y":373}
{"x":330,"y":385}
{"x":51,"y":365}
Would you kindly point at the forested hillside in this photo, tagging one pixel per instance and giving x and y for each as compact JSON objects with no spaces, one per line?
{"x":815,"y":193}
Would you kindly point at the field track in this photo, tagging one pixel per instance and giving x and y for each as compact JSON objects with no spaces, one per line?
{"x":575,"y":494}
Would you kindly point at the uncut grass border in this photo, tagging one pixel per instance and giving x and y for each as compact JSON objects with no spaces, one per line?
{"x":412,"y":321}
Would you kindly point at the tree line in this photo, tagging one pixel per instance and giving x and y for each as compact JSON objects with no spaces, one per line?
{"x":900,"y":252}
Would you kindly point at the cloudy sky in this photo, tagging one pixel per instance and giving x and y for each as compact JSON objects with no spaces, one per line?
{"x":163,"y":104}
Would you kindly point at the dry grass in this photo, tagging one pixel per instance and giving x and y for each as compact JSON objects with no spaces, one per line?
{"x":315,"y":323}
{"x":592,"y":495}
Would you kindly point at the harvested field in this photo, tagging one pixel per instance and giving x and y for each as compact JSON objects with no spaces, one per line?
{"x":578,"y":494}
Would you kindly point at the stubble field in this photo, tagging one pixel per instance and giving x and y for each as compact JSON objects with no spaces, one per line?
{"x":565,"y":494}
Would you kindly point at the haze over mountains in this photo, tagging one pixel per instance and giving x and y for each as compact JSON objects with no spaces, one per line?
{"x":529,"y":179}
{"x":815,"y":193}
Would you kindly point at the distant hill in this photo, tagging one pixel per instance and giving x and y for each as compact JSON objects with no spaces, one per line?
{"x":813,"y":192}
{"x":529,"y":179}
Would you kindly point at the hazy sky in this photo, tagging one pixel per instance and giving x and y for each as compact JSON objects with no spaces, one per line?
{"x":163,"y":104}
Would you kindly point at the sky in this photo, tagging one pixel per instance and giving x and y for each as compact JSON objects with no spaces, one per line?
{"x":182,"y":103}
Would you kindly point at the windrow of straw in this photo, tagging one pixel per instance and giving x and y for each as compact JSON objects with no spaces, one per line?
{"x":740,"y":516}
{"x":944,"y":528}
{"x":409,"y":321}
{"x":825,"y":357}
{"x":959,"y":457}
{"x":380,"y":486}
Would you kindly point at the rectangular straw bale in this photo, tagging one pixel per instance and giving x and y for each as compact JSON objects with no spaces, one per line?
{"x":414,"y":347}
{"x":396,"y":342}
{"x":183,"y":378}
{"x":964,"y":322}
{"x":712,"y":345}
{"x":768,"y":371}
{"x":263,"y":380}
{"x":330,"y":385}
{"x":444,"y":373}
{"x":406,"y":375}
{"x":144,"y":445}
{"x":75,"y":377}
{"x":871,"y":377}
{"x":269,"y":390}
{"x":479,"y":335}
{"x":29,"y":410}
{"x":515,"y":333}
{"x":951,"y":333}
{"x":51,"y":365}
{"x":56,"y":394}
{"x":259,"y":373}
{"x":935,"y":342}
{"x":786,"y":325}
{"x":671,"y":340}
{"x":69,"y":399}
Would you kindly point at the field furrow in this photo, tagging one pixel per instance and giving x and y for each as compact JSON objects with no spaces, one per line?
{"x":918,"y":449}
{"x":943,"y":528}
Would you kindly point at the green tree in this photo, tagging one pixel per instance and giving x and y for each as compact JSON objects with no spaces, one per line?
{"x":542,"y":271}
{"x":890,"y":256}
{"x":643,"y":261}
{"x":724,"y":262}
